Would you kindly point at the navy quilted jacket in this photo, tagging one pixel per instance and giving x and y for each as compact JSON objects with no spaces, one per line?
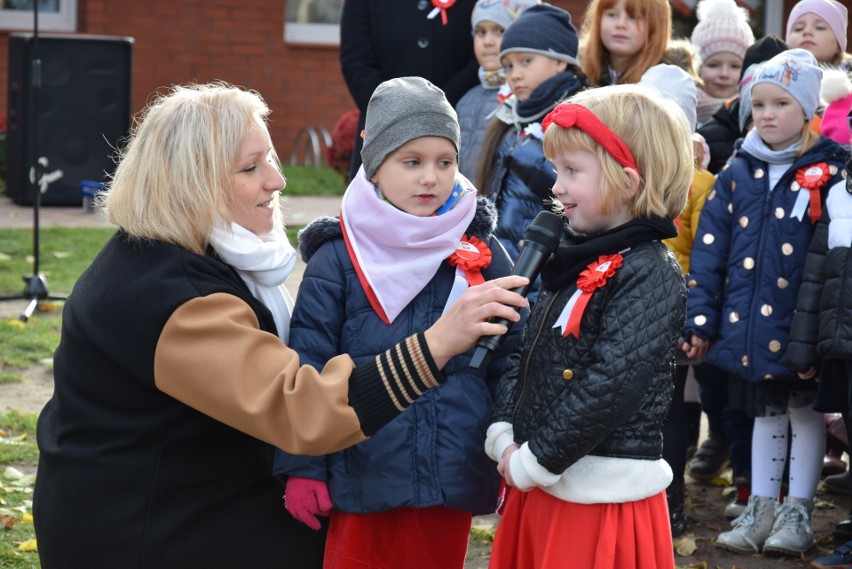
{"x":433,"y":453}
{"x":747,"y":263}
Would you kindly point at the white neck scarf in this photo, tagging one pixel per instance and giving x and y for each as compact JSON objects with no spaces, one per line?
{"x":264,"y":262}
{"x":399,"y":253}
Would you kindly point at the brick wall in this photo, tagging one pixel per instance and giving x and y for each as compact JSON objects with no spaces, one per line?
{"x":240,"y":41}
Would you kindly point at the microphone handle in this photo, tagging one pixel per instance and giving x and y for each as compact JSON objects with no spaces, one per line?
{"x":529,"y":263}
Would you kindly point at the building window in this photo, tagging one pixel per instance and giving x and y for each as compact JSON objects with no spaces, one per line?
{"x":315,"y":22}
{"x":53,"y":15}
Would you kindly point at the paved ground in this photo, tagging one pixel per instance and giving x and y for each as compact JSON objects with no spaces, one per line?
{"x":297,"y":211}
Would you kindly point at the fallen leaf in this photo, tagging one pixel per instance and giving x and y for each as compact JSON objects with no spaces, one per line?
{"x":720,"y":481}
{"x":8,"y":522}
{"x":46,"y":306}
{"x":28,"y":545}
{"x":5,"y":257}
{"x":61,"y":254}
{"x":28,"y":518}
{"x":685,"y":546}
{"x":12,"y":473}
{"x":14,"y":323}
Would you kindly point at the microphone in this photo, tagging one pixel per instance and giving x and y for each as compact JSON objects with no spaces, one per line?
{"x":540,"y":241}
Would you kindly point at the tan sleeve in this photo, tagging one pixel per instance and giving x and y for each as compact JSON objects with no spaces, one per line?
{"x":213,"y":357}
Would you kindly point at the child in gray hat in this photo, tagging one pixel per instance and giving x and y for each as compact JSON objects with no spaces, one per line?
{"x":412,"y":235}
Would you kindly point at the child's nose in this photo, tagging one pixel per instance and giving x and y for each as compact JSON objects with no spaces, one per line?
{"x":429,"y":178}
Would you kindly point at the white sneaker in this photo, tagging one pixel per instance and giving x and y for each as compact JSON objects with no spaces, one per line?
{"x":792,"y":533}
{"x":751,"y":528}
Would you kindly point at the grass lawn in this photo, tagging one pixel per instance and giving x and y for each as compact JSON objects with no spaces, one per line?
{"x":64,"y":254}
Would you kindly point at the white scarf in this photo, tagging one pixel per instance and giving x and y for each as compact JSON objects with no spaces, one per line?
{"x":264,"y":262}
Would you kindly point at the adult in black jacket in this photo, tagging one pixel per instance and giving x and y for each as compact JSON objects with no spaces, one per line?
{"x":384,"y":39}
{"x":172,"y":383}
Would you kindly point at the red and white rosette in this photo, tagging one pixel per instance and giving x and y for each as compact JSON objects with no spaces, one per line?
{"x":814,"y":177}
{"x":471,"y":256}
{"x":591,"y":279}
{"x":441,"y":7}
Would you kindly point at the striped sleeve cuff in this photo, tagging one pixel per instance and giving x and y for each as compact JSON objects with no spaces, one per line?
{"x":381,"y":389}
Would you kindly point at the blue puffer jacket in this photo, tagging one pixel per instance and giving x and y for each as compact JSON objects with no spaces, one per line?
{"x":747,"y":263}
{"x":522,"y":177}
{"x":433,"y":453}
{"x":520,"y":186}
{"x":474,"y":109}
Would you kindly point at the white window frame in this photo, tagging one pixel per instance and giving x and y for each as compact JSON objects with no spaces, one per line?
{"x":63,"y":20}
{"x":310,"y":33}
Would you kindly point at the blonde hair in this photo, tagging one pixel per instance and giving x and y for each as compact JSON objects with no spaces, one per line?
{"x":809,"y":139}
{"x":657,"y":15}
{"x":173,"y":180}
{"x":663,"y":153}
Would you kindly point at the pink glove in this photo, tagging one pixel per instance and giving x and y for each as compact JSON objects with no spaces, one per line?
{"x":305,"y":499}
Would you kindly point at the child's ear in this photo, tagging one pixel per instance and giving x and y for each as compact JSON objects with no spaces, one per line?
{"x":633,"y":182}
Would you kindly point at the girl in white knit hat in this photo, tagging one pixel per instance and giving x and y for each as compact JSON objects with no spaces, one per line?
{"x":721,"y":39}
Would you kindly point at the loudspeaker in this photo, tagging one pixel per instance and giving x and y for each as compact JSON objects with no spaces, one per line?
{"x":83,"y":111}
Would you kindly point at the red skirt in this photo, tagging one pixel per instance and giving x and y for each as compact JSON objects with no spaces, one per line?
{"x":538,"y":531}
{"x":405,"y":538}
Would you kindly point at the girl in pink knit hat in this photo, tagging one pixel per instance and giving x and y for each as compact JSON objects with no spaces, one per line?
{"x":819,"y":26}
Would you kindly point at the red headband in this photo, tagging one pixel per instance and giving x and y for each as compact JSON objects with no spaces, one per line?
{"x":571,"y":115}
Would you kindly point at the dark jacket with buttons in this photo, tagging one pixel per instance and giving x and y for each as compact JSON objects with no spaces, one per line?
{"x":747,"y":263}
{"x":384,"y":39}
{"x":608,"y":392}
{"x":822,"y":327}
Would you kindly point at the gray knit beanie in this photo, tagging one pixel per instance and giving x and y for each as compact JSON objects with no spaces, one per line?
{"x":797,"y":72}
{"x":501,"y":12}
{"x":542,"y":29}
{"x":401,"y":110}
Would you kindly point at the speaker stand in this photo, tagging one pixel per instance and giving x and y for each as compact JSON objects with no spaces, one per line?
{"x":35,"y":285}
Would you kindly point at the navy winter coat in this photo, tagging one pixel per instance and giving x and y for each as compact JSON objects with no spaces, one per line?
{"x":433,"y":453}
{"x":747,"y":262}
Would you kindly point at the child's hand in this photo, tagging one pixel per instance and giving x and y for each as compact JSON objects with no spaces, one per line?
{"x":468,"y":318}
{"x":305,"y":499}
{"x":808,"y":374}
{"x":503,"y":465}
{"x":696,"y":348}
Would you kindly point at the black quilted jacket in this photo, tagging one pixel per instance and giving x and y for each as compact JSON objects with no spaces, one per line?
{"x":822,"y":326}
{"x":608,"y":392}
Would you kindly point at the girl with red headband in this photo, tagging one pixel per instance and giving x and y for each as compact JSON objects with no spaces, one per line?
{"x":577,"y":426}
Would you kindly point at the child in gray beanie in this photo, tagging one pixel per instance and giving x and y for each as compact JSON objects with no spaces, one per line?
{"x":412,"y":235}
{"x":752,"y":242}
{"x":403,"y":109}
